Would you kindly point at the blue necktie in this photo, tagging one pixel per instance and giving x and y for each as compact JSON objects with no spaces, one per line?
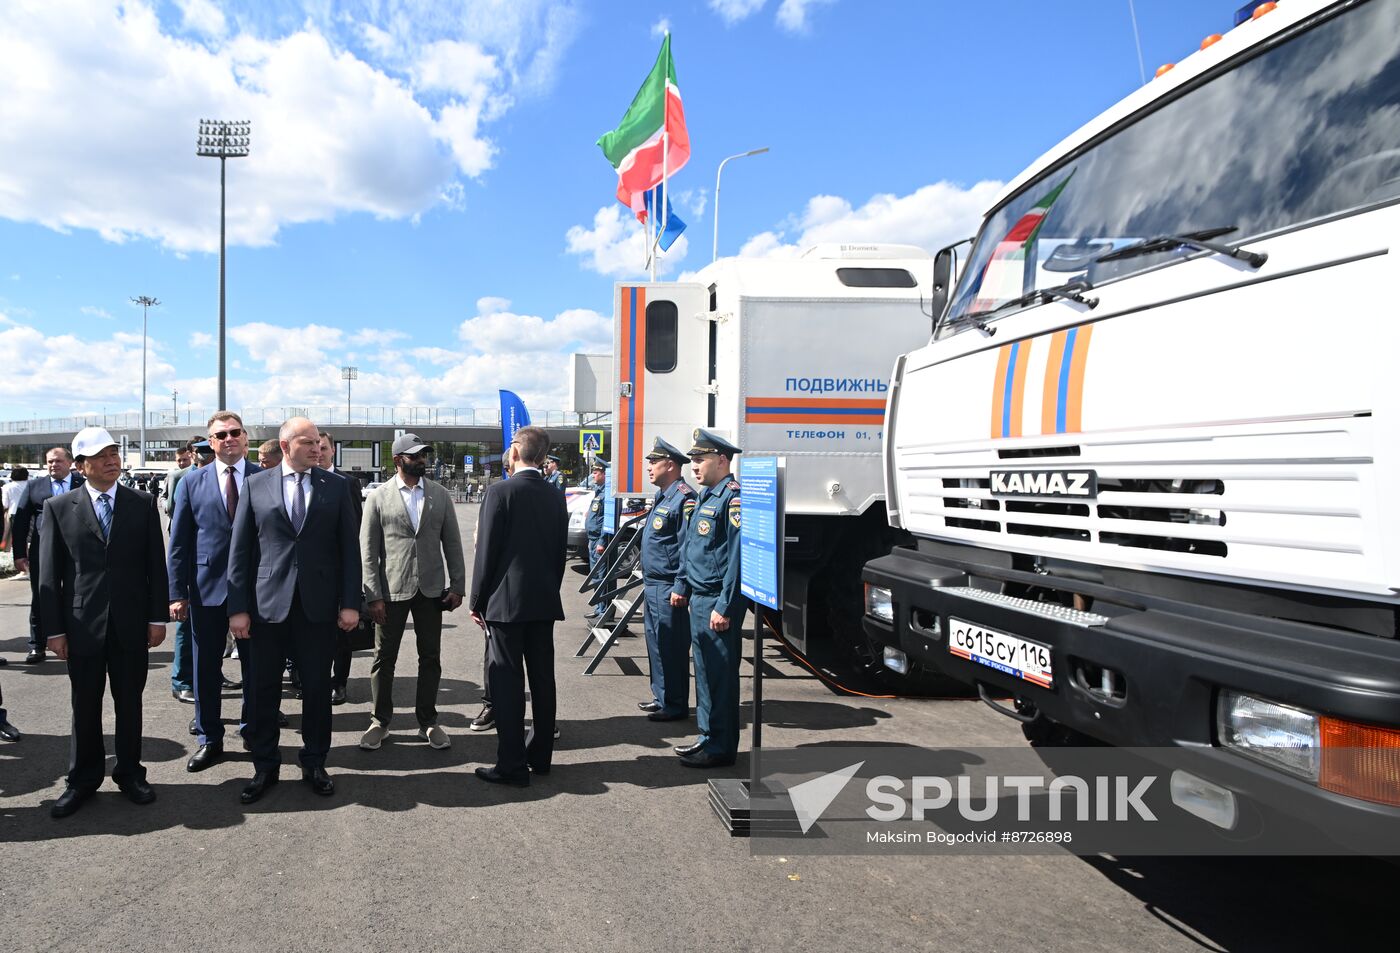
{"x":104,"y":515}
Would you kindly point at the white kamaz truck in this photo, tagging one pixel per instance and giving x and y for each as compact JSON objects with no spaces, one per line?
{"x":791,"y":357}
{"x":1151,"y":454}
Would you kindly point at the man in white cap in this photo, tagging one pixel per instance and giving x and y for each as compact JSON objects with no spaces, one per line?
{"x":103,"y":607}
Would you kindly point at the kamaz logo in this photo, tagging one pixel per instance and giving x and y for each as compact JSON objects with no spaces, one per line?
{"x":1081,"y":484}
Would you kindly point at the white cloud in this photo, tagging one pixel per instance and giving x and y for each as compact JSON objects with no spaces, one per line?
{"x":732,"y":11}
{"x":490,"y":305}
{"x":502,"y":332}
{"x":200,"y":340}
{"x":931,"y":217}
{"x":377,"y":337}
{"x":616,"y":245}
{"x":95,"y":312}
{"x":93,"y":371}
{"x":661,"y":27}
{"x":202,"y":16}
{"x":792,"y":14}
{"x":288,"y":350}
{"x":693,"y":202}
{"x":332,"y":133}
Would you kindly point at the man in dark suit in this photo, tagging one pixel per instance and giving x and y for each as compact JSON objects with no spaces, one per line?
{"x":199,"y":544}
{"x":521,"y":538}
{"x":293,"y":578}
{"x":29,"y":523}
{"x":102,"y":606}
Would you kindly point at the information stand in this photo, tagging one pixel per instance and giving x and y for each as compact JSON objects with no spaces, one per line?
{"x":761,"y":536}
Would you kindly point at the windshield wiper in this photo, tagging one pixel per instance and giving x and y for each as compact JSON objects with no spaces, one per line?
{"x":1200,"y":239}
{"x":1073,"y":291}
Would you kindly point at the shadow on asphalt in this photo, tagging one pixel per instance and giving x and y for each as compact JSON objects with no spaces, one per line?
{"x":405,"y":773}
{"x":1261,"y":903}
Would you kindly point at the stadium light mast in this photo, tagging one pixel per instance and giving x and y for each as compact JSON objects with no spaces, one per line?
{"x":146,"y":302}
{"x":348,"y":374}
{"x":223,"y":140}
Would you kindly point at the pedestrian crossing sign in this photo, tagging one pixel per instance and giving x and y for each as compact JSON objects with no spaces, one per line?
{"x":590,"y":441}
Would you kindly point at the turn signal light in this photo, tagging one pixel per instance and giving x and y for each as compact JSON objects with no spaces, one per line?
{"x":1211,"y":40}
{"x":1164,"y":69}
{"x":1262,"y":9}
{"x":1361,"y":761}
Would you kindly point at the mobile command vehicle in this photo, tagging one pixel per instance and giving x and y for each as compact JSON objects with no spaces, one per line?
{"x":1151,"y":455}
{"x":785,"y":357}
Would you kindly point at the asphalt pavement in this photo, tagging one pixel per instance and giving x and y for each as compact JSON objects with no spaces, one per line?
{"x":616,"y":849}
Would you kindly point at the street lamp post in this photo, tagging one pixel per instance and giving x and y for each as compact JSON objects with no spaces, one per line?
{"x":174,"y":407}
{"x":222,"y":140}
{"x":146,"y":302}
{"x":348,"y":374}
{"x":714,"y":255}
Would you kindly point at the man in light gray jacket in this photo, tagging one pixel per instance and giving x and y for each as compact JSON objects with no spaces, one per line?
{"x":412,"y":561}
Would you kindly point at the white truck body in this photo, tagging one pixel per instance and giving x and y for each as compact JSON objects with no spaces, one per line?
{"x":1157,"y":431}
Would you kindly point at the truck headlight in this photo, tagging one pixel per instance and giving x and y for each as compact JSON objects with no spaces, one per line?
{"x":1277,"y":735}
{"x":879,"y":602}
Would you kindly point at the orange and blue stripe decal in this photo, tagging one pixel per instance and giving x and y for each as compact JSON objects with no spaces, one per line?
{"x":813,"y":410}
{"x":1062,"y":402}
{"x":631,"y":423}
{"x":1062,"y":391}
{"x":1009,"y":389}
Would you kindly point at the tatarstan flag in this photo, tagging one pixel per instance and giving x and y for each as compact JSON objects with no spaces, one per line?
{"x":635,"y":147}
{"x":1003,"y":278}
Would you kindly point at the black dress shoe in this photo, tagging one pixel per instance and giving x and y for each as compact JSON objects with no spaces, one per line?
{"x":138,"y":792}
{"x":684,"y":750}
{"x":230,"y":685}
{"x":338,"y":695}
{"x":648,"y":706}
{"x":496,"y":777}
{"x":69,"y":801}
{"x":194,"y":725}
{"x":535,"y":770}
{"x":34,"y":657}
{"x":256,"y":788}
{"x":319,"y":780}
{"x":9,"y":732}
{"x":702,"y":759}
{"x":183,"y":695}
{"x":664,"y":716}
{"x":282,"y":720}
{"x":207,"y":756}
{"x":4,"y":662}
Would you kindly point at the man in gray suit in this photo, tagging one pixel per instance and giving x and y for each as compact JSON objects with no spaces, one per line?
{"x":293,"y":578}
{"x":407,"y":532}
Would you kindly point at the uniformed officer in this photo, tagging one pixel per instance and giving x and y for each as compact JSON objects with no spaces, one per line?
{"x":552,"y":475}
{"x":667,"y":621}
{"x":710,"y":565}
{"x":598,"y":536}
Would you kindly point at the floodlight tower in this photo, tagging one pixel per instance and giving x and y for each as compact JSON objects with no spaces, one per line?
{"x":222,"y":140}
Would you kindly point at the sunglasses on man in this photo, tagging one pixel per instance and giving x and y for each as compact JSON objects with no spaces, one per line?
{"x":233,"y":434}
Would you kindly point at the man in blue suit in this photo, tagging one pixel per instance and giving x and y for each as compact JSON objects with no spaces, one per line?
{"x":200,"y":529}
{"x":29,"y":523}
{"x":293,"y":578}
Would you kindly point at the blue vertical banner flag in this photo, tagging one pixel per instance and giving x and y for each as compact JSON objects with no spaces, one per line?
{"x":513,"y":417}
{"x":663,"y":225}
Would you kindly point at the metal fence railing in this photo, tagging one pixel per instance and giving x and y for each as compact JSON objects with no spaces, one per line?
{"x":326,"y":416}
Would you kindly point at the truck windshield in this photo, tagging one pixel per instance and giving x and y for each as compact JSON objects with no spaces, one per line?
{"x":1306,"y":129}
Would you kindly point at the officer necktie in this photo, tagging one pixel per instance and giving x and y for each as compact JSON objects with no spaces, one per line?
{"x":231,"y":495}
{"x":298,"y":505}
{"x":104,"y":514}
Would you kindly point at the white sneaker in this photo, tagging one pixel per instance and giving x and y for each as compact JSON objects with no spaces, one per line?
{"x":374,"y":737}
{"x":435,"y":736}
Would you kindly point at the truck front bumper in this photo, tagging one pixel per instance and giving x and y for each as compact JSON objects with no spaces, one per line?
{"x":1169,"y":662}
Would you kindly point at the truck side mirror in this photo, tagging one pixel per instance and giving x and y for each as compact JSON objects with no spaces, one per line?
{"x":942,"y":281}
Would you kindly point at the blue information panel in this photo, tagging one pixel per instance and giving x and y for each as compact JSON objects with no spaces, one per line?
{"x":467,"y":461}
{"x":761,"y":530}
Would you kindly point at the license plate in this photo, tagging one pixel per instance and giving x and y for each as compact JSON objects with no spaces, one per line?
{"x":998,"y":650}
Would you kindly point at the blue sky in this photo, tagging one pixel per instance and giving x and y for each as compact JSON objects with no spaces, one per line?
{"x":424,"y":198}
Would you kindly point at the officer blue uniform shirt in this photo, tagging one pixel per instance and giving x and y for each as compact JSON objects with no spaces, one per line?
{"x":710,"y":564}
{"x":667,"y":627}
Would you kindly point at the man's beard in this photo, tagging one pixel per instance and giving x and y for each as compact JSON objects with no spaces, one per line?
{"x":416,"y":469}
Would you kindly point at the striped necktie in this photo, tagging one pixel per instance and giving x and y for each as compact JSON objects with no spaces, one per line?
{"x":104,"y":514}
